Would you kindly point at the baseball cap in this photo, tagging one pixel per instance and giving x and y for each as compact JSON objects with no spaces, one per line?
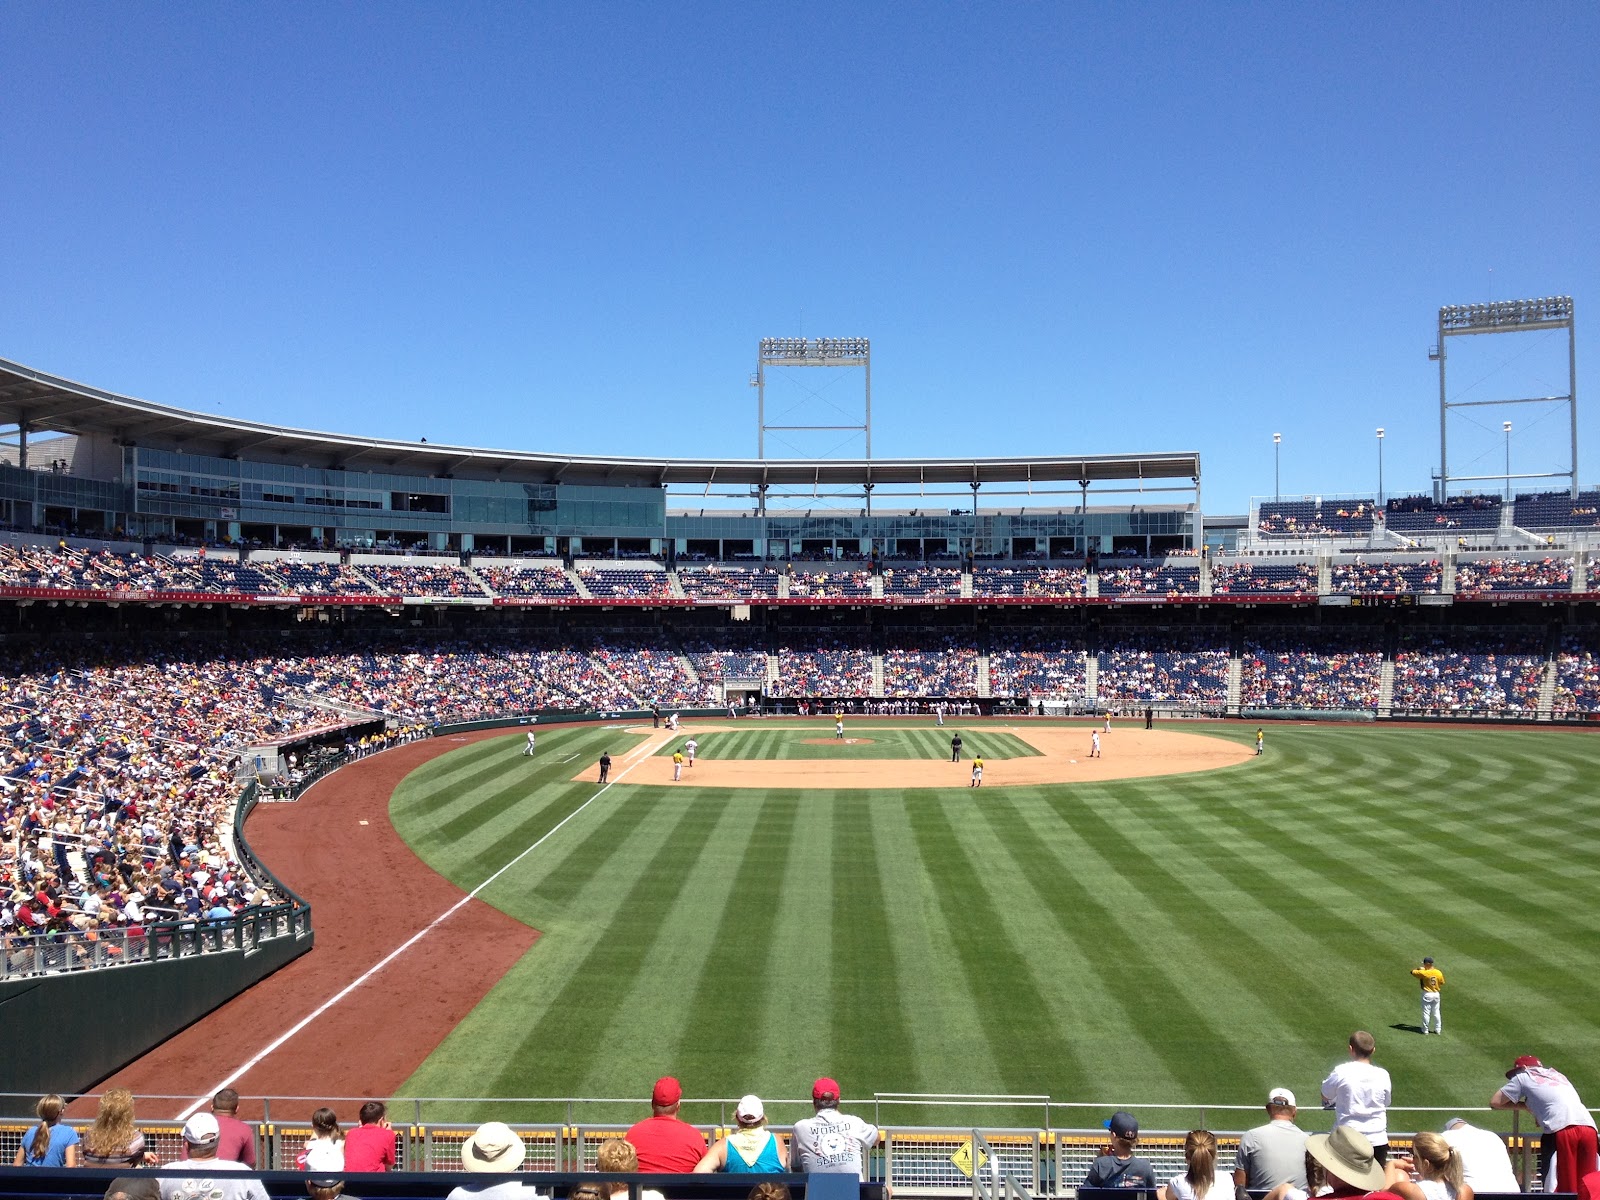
{"x":750,"y":1109}
{"x":201,"y":1129}
{"x":1123,"y":1125}
{"x":1527,"y":1060}
{"x":825,"y":1089}
{"x":1427,"y":959}
{"x":667,"y":1092}
{"x":1282,"y":1097}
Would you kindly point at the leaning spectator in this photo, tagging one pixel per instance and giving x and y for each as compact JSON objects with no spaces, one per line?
{"x":493,"y":1149}
{"x":666,"y":1145}
{"x":750,"y":1149}
{"x":236,"y":1141}
{"x":370,"y":1146}
{"x":204,"y":1176}
{"x":49,"y":1143}
{"x":112,"y":1141}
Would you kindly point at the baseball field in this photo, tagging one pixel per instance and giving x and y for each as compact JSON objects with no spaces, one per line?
{"x":1177,"y":921}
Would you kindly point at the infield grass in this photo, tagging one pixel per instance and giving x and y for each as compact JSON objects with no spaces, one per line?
{"x":1194,"y":938}
{"x":921,"y":741}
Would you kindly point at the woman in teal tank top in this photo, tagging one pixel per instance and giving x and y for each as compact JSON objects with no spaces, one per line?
{"x":751,"y":1149}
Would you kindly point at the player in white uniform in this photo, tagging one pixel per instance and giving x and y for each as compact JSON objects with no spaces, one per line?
{"x":528,"y":749}
{"x":838,"y":727}
{"x":689,"y":748}
{"x":1094,"y":744}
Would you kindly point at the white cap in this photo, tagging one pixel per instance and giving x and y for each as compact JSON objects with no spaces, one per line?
{"x":201,"y":1129}
{"x":1282,"y":1097}
{"x":750,"y":1109}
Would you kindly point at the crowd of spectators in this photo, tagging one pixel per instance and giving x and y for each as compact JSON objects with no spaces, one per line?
{"x":718,"y":656}
{"x":830,"y":585}
{"x":1252,"y":578}
{"x":1420,"y":514}
{"x":1147,"y":580}
{"x":1029,"y":664}
{"x":535,"y":582}
{"x":728,"y":583}
{"x":420,"y":579}
{"x":1454,"y":674}
{"x":927,"y":582}
{"x":1577,"y":678}
{"x":1044,"y":582}
{"x":936,"y":666}
{"x":606,"y":584}
{"x":1326,"y":670}
{"x":1178,"y":665}
{"x":1558,"y":510}
{"x":1314,"y":518}
{"x":1513,"y":575}
{"x":825,"y":664}
{"x":1387,"y":578}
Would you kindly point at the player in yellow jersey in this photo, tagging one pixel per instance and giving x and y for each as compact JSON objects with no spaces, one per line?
{"x":1432,"y":981}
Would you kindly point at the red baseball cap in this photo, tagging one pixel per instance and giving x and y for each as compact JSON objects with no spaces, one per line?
{"x":825,"y":1089}
{"x":667,"y":1092}
{"x":1527,"y":1060}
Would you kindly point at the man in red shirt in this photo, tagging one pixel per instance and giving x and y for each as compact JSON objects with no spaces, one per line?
{"x":665,"y":1144}
{"x":236,"y":1141}
{"x":370,"y":1145}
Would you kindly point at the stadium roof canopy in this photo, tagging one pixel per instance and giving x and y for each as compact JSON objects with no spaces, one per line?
{"x":45,"y":403}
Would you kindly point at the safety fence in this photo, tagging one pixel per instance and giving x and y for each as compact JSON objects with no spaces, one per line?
{"x":925,"y":1161}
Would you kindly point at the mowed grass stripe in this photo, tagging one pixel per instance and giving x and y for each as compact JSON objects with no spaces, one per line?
{"x":579,"y":1014}
{"x":867,"y":976}
{"x":730,"y":992}
{"x":999,"y":977}
{"x":809,"y":744}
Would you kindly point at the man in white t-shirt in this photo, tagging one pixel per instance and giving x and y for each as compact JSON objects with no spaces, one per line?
{"x":1485,"y":1162}
{"x":1359,"y":1094}
{"x":1569,"y":1130}
{"x":830,"y":1142}
{"x":204,"y":1176}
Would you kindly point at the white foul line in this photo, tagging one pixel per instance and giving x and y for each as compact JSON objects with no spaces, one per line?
{"x":638,"y":754}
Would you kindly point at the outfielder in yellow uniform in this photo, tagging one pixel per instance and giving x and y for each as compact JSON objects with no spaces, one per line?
{"x":1432,"y":981}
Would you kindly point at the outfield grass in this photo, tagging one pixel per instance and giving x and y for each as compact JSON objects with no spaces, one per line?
{"x":1195,"y":938}
{"x":861,"y":741}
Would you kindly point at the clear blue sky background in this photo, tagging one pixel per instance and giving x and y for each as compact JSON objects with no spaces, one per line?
{"x":1067,"y":228}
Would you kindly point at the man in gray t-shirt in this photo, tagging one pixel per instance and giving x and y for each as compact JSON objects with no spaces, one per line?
{"x":831,"y":1142}
{"x":1273,"y":1153}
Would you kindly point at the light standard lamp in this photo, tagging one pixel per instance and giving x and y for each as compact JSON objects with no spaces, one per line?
{"x":1277,"y":441}
{"x":1507,"y":427}
{"x":1380,"y":466}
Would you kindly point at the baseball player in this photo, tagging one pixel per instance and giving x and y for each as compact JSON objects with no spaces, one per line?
{"x":672,"y":722}
{"x":838,"y":728}
{"x":689,"y":748}
{"x":1261,"y":741}
{"x":532,"y":740}
{"x":1094,"y":744}
{"x":1432,"y":981}
{"x":938,"y":710}
{"x":677,"y":765}
{"x":977,"y":772}
{"x":1108,"y":722}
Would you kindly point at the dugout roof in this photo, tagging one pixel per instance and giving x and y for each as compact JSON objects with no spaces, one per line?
{"x":47,"y":403}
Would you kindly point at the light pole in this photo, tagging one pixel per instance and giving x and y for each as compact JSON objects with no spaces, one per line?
{"x":1380,"y":466}
{"x":1277,"y":441}
{"x":1507,"y":427}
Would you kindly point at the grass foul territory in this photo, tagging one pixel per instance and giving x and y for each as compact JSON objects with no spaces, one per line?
{"x":1190,"y":938}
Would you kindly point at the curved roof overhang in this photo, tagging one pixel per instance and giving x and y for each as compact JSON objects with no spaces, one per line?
{"x":47,"y":403}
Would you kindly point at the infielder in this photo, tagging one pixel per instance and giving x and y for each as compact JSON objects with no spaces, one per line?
{"x":1432,"y":981}
{"x":1094,"y":744}
{"x":838,"y":728}
{"x":977,"y":772}
{"x":689,"y":748}
{"x":1108,"y":722}
{"x":677,"y":765}
{"x":532,"y":739}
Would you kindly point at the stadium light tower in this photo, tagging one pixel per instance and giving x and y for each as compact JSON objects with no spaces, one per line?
{"x":1277,"y":442}
{"x":1506,"y":425}
{"x":1508,"y":316}
{"x":812,"y":352}
{"x":1380,"y":466}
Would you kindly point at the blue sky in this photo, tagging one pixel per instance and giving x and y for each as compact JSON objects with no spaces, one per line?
{"x":1067,"y":228}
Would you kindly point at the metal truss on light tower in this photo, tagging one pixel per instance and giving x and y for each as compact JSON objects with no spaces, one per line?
{"x":1507,"y":316}
{"x":811,"y":352}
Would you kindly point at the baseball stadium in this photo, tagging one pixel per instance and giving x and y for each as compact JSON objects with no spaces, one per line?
{"x":496,"y":785}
